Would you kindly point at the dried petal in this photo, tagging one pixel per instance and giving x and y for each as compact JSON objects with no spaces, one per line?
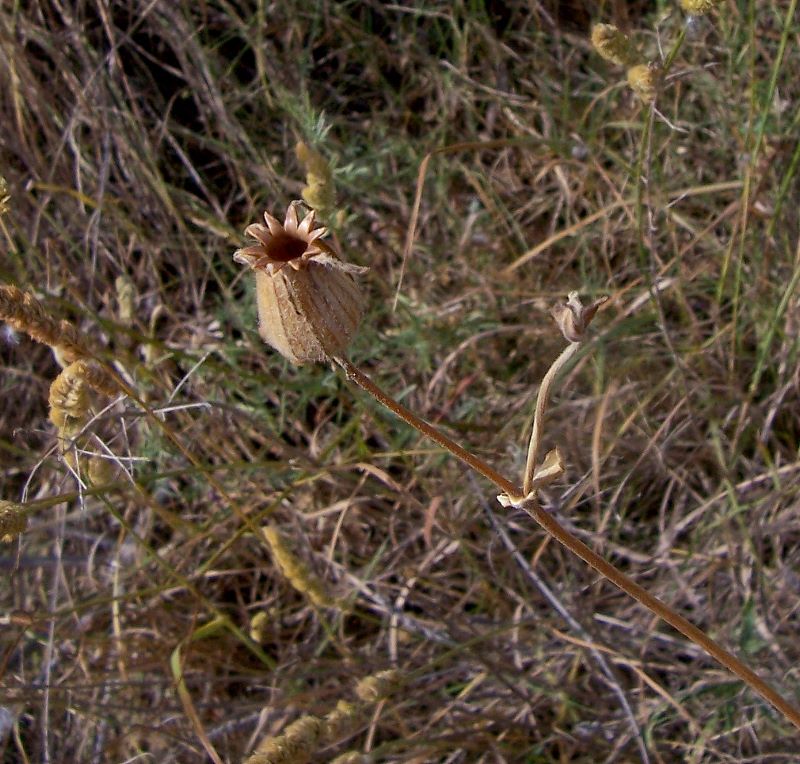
{"x":549,"y":470}
{"x":573,"y":318}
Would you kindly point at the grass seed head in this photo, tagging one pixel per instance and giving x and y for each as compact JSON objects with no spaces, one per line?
{"x":341,"y":722}
{"x":24,"y":313}
{"x":378,"y":686}
{"x":296,"y":571}
{"x":699,"y":7}
{"x":13,"y":521}
{"x":643,"y":80}
{"x":319,"y":192}
{"x":295,"y":746}
{"x":612,"y":44}
{"x":309,"y":304}
{"x":69,"y":399}
{"x":4,"y":196}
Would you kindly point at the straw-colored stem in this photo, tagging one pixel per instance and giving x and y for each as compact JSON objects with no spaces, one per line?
{"x":577,"y":547}
{"x":538,"y":415}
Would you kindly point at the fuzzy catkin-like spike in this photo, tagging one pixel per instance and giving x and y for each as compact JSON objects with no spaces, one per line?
{"x":297,"y":572}
{"x":294,"y":746}
{"x":352,"y":757}
{"x":342,"y":721}
{"x":98,"y":378}
{"x":319,"y":192}
{"x":26,"y":314}
{"x":643,"y":80}
{"x":69,"y":399}
{"x":699,"y":7}
{"x":613,"y":45}
{"x":378,"y":686}
{"x":301,"y":738}
{"x":4,"y":197}
{"x":13,"y":520}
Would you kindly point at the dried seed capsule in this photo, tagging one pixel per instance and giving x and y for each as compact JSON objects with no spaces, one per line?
{"x":309,"y":304}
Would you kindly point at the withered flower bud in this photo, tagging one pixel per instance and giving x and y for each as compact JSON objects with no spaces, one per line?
{"x":309,"y":304}
{"x":573,"y":318}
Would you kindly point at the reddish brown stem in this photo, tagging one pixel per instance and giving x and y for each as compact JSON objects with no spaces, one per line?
{"x":577,"y":547}
{"x":429,"y":431}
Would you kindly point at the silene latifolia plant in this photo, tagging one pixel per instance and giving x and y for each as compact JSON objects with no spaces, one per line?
{"x":309,"y":307}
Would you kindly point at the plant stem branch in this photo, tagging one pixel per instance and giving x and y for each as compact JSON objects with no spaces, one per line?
{"x":429,"y":431}
{"x":577,"y":547}
{"x":663,"y":611}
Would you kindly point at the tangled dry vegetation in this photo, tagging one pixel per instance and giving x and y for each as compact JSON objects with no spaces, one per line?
{"x":220,"y":553}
